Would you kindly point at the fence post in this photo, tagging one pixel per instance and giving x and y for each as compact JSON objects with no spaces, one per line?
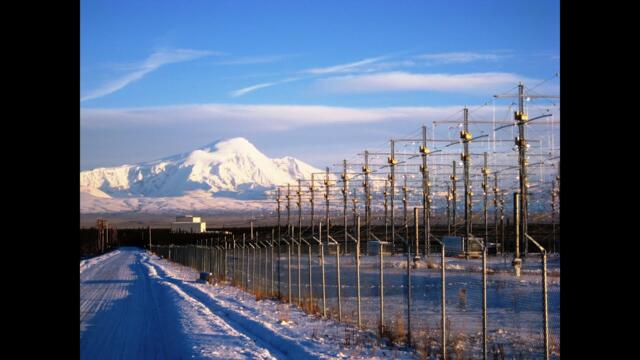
{"x":225,"y":259}
{"x":484,"y":299}
{"x":212,"y":256}
{"x":257,"y":265}
{"x":517,"y":262}
{"x":324,"y":294}
{"x":310,"y":281}
{"x":265,"y":282}
{"x":289,"y":269}
{"x":216,"y":254}
{"x":213,"y":268}
{"x":299,"y":266}
{"x":338,"y":276}
{"x":381,"y":326}
{"x":272,"y":263}
{"x":443,"y":303}
{"x":546,"y":309}
{"x":243,"y":283}
{"x":408,"y":242}
{"x":263,"y":278}
{"x":544,"y":295}
{"x":358,"y":270}
{"x":245,"y":266}
{"x":259,"y":280}
{"x":253,"y":271}
{"x":235,"y":261}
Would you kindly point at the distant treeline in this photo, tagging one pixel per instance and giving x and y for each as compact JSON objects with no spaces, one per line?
{"x":139,"y":237}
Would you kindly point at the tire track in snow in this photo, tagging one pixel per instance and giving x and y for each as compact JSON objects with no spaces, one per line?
{"x":129,"y":312}
{"x":199,"y":322}
{"x":278,"y":345}
{"x":115,"y":321}
{"x":87,"y":263}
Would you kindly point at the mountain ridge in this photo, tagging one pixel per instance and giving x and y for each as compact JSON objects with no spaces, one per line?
{"x":232,"y":168}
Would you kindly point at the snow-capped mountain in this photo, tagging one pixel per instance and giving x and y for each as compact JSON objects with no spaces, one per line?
{"x":232,"y":168}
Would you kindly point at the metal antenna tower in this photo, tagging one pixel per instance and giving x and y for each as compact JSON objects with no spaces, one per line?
{"x":367,"y":193}
{"x":485,"y":185}
{"x":453,"y":197}
{"x":288,"y":210}
{"x":426,"y":194}
{"x":465,"y":135}
{"x":326,"y":198}
{"x":392,"y":178}
{"x":345,"y":195}
{"x":311,"y":201}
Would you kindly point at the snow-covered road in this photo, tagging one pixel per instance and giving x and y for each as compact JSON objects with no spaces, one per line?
{"x":136,"y":307}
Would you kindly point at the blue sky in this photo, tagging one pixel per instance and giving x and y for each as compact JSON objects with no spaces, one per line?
{"x":311,"y":79}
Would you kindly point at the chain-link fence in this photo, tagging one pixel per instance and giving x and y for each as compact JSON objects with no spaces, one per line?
{"x":483,"y":308}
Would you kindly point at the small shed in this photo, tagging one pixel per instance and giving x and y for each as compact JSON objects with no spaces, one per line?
{"x":188,"y":224}
{"x":455,"y":246}
{"x":373,"y":248}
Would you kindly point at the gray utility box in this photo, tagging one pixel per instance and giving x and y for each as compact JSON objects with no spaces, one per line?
{"x":455,"y":246}
{"x":494,"y":248}
{"x":373,"y":248}
{"x":205,"y":277}
{"x":330,"y":249}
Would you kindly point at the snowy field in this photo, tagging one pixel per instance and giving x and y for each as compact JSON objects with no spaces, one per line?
{"x":137,"y":306}
{"x":514,"y":304}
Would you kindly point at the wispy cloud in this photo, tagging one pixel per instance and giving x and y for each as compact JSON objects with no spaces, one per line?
{"x":357,"y":66}
{"x":404,"y":81}
{"x":374,"y":74}
{"x":252,"y":88}
{"x":266,"y":117}
{"x":341,"y":68}
{"x":459,"y":57}
{"x":219,"y":117}
{"x":321,"y":134}
{"x":262,"y":59}
{"x":152,"y":63}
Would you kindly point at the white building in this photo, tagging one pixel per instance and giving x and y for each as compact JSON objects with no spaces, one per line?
{"x":189,"y":224}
